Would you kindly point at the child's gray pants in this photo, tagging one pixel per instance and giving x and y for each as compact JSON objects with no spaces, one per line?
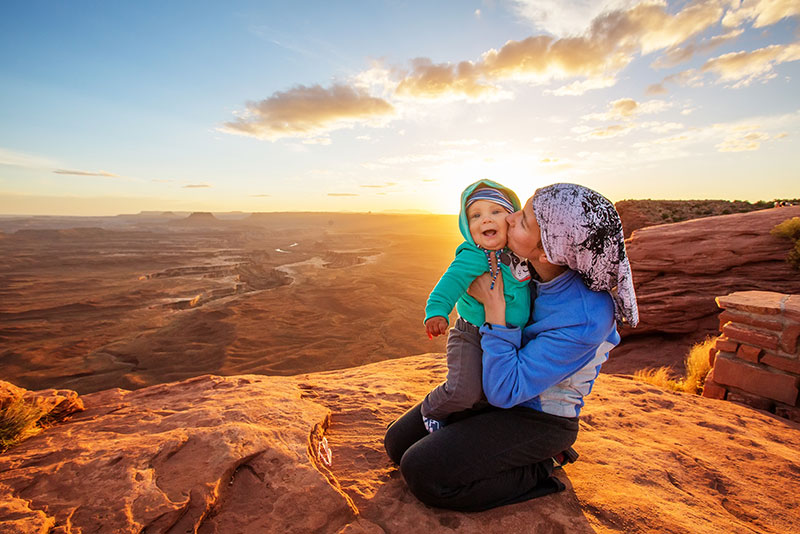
{"x":464,"y":386}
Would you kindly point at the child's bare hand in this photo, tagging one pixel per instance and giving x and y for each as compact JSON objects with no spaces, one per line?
{"x":436,"y":326}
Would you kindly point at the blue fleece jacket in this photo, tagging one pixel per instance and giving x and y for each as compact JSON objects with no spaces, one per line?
{"x":551,"y":364}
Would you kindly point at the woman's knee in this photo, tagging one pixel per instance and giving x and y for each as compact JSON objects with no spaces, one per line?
{"x":420,"y":478}
{"x":392,"y":443}
{"x":403,"y":433}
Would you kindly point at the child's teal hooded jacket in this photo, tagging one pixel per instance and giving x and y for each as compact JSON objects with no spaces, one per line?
{"x":469,"y":263}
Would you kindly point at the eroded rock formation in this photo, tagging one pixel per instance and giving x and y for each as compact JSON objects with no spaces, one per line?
{"x":679,"y":269}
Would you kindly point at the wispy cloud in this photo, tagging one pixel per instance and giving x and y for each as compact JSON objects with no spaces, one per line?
{"x":260,"y":196}
{"x":22,"y":159}
{"x":736,"y":69}
{"x":196,"y":186}
{"x":677,"y":55}
{"x":379,"y":186}
{"x":744,"y":68}
{"x":343,"y":194}
{"x":86,"y":173}
{"x":761,"y":12}
{"x":742,"y":141}
{"x":308,"y":112}
{"x":627,"y":109}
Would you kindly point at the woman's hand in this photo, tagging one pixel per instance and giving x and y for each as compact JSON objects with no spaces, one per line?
{"x":492,"y":299}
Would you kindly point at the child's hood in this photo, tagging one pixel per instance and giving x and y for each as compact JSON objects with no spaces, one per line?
{"x":463,"y":223}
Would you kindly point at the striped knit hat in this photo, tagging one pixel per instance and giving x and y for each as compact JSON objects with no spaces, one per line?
{"x":492,"y":195}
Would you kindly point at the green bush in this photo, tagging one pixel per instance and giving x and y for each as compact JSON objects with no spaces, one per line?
{"x":790,"y":228}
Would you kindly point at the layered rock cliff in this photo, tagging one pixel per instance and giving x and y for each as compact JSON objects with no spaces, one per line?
{"x":245,"y":454}
{"x":679,"y":269}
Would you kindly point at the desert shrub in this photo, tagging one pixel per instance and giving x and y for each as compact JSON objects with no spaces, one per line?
{"x":790,"y":228}
{"x":697,"y":367}
{"x":18,"y":420}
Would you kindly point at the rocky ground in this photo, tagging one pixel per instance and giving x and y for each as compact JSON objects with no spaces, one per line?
{"x":242,"y":454}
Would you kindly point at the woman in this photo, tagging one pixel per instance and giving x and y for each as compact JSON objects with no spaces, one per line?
{"x":535,"y":378}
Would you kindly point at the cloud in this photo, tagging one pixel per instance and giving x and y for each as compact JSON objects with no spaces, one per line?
{"x":656,"y":89}
{"x":430,"y":80}
{"x":308,"y":112}
{"x":761,"y":12}
{"x":196,"y":186}
{"x":677,"y":55}
{"x":663,"y":127}
{"x":22,"y":159}
{"x":86,"y":173}
{"x":627,"y":109}
{"x":609,"y":45}
{"x":742,"y":141}
{"x":379,"y":186}
{"x":615,"y":130}
{"x":744,"y":68}
{"x":260,"y":196}
{"x":343,"y":194}
{"x":579,"y":87}
{"x":566,"y":17}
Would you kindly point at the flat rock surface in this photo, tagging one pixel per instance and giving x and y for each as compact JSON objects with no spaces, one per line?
{"x":240,"y":454}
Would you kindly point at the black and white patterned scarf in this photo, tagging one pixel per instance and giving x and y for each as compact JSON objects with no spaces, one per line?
{"x":582,"y":230}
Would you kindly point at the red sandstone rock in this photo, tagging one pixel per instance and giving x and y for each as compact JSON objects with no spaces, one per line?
{"x":791,"y":365}
{"x":792,"y":307}
{"x":759,"y":321}
{"x":758,"y":380}
{"x":759,"y":403}
{"x":744,"y":334}
{"x":759,"y":302}
{"x":238,"y":455}
{"x":724,"y":344}
{"x":679,"y":269}
{"x":749,"y":353}
{"x":788,"y":412}
{"x":711,"y":389}
{"x":789,"y":338}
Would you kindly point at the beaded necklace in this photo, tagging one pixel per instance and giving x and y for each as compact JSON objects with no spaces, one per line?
{"x":489,"y":261}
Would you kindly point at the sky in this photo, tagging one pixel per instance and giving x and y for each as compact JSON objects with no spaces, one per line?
{"x":120,"y":107}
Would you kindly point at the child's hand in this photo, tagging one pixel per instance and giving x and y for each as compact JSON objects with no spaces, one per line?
{"x":435,"y":326}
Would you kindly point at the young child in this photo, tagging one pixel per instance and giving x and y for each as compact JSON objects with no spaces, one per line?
{"x":482,"y":221}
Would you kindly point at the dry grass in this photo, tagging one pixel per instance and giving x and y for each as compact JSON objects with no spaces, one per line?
{"x":697,"y":367}
{"x":790,"y":228}
{"x":18,"y":421}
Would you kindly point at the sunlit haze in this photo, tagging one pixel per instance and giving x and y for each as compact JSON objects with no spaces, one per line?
{"x":118,"y":107}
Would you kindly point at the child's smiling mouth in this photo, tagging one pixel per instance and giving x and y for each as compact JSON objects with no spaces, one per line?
{"x":490,"y":233}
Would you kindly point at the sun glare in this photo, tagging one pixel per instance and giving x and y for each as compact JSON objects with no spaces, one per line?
{"x":519,"y":172}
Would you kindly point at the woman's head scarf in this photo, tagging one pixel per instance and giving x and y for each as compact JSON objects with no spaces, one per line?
{"x":582,"y":230}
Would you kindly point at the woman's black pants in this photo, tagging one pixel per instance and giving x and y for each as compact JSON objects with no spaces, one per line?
{"x":481,"y":459}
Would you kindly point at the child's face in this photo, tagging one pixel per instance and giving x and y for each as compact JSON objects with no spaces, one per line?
{"x":487,"y":224}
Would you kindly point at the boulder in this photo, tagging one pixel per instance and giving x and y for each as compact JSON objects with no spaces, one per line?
{"x":246,"y":454}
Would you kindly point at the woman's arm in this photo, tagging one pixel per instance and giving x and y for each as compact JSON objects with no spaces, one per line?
{"x":571,"y":334}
